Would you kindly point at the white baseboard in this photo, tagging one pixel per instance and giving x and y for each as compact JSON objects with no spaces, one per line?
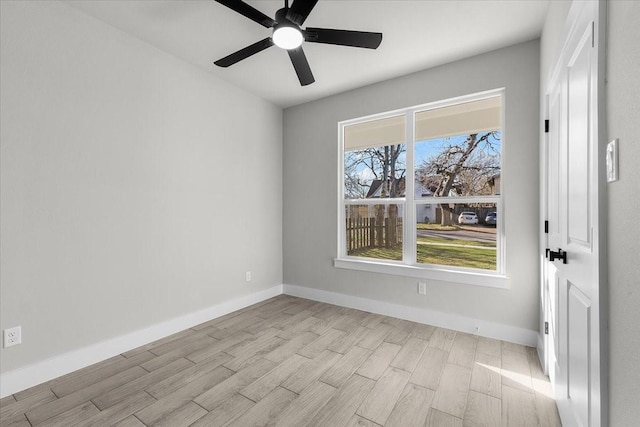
{"x":444,"y":320}
{"x":29,"y":376}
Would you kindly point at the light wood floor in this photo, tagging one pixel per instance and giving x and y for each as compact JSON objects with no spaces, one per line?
{"x":294,"y":362}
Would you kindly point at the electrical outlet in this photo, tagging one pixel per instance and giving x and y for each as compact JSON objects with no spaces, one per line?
{"x":12,"y":336}
{"x":247,"y":276}
{"x":422,"y":288}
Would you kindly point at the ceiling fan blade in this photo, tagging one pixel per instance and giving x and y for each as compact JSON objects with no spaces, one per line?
{"x":300,"y":64}
{"x":343,"y":37}
{"x":244,"y":53}
{"x":300,"y":9}
{"x":248,"y":11}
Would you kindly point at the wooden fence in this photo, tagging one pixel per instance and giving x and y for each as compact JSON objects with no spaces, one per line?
{"x":365,"y":233}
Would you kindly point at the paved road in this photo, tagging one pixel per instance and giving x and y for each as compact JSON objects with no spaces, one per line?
{"x":476,"y":234}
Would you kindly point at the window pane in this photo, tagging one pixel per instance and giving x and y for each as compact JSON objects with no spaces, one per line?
{"x":468,"y":241}
{"x":457,"y":150}
{"x":375,"y":159}
{"x":374,"y":231}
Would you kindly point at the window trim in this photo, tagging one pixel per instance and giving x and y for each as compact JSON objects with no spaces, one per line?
{"x":409,"y":267}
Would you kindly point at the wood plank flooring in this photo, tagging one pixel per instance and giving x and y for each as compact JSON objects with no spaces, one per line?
{"x":294,"y":362}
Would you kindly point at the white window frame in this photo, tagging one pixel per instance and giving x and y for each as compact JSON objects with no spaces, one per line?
{"x":409,"y":267}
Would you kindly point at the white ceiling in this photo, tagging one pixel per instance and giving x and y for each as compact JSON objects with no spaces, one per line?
{"x":417,"y":34}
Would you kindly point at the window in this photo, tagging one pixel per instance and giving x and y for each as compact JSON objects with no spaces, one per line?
{"x":420,"y":191}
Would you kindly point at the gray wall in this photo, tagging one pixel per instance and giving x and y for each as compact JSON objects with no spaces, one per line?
{"x":310,"y":187}
{"x":132,"y":189}
{"x":623,"y":228}
{"x":623,"y":121}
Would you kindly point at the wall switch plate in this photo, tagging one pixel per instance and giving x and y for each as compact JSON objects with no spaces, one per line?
{"x":422,"y":288}
{"x":247,"y":276}
{"x":612,"y":161}
{"x":12,"y":336}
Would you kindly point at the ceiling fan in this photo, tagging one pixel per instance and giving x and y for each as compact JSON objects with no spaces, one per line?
{"x":288,"y":35}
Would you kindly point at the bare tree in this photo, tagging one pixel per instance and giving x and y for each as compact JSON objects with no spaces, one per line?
{"x":461,"y":168}
{"x":384,"y":165}
{"x":355,"y":185}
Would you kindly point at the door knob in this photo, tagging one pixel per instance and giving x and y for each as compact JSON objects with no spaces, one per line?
{"x":560,"y":254}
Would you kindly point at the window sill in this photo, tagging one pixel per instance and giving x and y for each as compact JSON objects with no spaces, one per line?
{"x":478,"y":278}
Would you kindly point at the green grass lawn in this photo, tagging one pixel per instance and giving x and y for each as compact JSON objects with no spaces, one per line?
{"x":425,"y":226}
{"x":457,"y":256}
{"x":440,"y":254}
{"x":442,"y":240}
{"x":393,"y":253}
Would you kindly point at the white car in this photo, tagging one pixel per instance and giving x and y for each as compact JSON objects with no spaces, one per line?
{"x":468,"y":218}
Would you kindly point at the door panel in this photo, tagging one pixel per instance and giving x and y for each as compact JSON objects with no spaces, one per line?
{"x":579,"y":333}
{"x":578,"y":161}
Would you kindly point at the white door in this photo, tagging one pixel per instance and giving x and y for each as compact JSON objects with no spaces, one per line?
{"x":572,"y":273}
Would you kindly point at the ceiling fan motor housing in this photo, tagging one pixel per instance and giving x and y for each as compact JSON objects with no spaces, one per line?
{"x":286,"y":34}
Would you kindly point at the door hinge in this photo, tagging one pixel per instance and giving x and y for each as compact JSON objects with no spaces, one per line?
{"x":546,"y":227}
{"x":546,"y":328}
{"x":546,"y":126}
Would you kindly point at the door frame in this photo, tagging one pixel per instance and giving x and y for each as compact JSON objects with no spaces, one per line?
{"x":580,"y":10}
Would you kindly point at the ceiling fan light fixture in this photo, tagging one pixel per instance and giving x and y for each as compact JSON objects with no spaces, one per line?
{"x":287,"y":36}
